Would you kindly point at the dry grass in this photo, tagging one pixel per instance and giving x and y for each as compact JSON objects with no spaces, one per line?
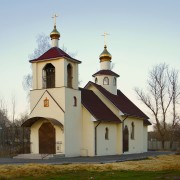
{"x":166,"y":162}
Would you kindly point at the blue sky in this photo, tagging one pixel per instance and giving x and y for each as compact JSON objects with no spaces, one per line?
{"x":143,"y":33}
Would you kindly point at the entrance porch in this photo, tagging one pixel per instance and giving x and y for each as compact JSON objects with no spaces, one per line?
{"x":47,"y":135}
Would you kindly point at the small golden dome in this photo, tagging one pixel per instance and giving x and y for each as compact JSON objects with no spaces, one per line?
{"x":105,"y":55}
{"x":55,"y":34}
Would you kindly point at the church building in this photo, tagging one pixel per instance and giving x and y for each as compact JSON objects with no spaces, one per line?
{"x":92,"y":121}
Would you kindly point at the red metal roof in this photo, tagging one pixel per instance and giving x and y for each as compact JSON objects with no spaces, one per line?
{"x":105,"y":72}
{"x":96,"y":107}
{"x":54,"y":52}
{"x":126,"y":106}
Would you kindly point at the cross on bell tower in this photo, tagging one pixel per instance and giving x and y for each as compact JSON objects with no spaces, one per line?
{"x":54,"y":17}
{"x":55,"y":35}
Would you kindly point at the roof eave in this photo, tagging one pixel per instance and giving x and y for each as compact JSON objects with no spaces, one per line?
{"x":42,"y":60}
{"x":94,"y":75}
{"x":135,"y":116}
{"x":74,"y":60}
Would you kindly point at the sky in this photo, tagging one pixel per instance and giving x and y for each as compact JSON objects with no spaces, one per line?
{"x":143,"y":33}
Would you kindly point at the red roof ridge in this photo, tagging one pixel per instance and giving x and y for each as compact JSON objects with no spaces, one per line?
{"x":53,"y":53}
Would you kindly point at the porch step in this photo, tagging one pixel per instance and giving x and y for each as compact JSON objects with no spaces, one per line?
{"x":56,"y":156}
{"x":37,"y":156}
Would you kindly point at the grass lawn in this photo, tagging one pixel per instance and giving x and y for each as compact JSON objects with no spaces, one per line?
{"x":161,"y":167}
{"x":109,"y":175}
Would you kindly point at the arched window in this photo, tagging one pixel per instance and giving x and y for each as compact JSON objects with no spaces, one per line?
{"x":106,"y":81}
{"x":114,"y":81}
{"x":132,"y":130}
{"x":48,"y":76}
{"x":96,"y":80}
{"x":106,"y":133}
{"x":69,"y":76}
{"x":75,"y":101}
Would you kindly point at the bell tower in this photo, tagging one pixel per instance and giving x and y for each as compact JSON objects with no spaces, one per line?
{"x":55,"y":97}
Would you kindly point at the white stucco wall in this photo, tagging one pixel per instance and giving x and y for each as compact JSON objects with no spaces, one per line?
{"x":119,"y":141}
{"x":60,"y":142}
{"x":88,"y":148}
{"x":106,"y":147}
{"x":72,"y":123}
{"x":136,"y":145}
{"x":145,"y":138}
{"x":75,"y":73}
{"x":34,"y":137}
{"x":53,"y":111}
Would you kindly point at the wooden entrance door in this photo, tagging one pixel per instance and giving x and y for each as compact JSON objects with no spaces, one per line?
{"x":125,"y":139}
{"x":46,"y":139}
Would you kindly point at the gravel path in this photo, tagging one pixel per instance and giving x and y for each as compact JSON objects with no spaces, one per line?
{"x":96,"y":159}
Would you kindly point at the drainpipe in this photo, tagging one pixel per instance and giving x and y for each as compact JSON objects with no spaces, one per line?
{"x":123,"y":130}
{"x":96,"y":137}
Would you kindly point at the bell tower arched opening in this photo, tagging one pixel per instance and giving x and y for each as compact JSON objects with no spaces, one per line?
{"x":69,"y":75}
{"x":48,"y":76}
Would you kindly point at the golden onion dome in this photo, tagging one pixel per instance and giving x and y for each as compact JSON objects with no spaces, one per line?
{"x":105,"y":55}
{"x":55,"y":34}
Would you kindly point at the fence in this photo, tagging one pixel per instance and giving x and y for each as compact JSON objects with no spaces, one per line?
{"x":157,"y":145}
{"x":14,"y":140}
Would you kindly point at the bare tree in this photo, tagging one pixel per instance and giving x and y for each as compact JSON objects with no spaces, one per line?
{"x":13,"y":101}
{"x":4,"y":122}
{"x":175,"y":92}
{"x":162,"y":97}
{"x":42,"y":46}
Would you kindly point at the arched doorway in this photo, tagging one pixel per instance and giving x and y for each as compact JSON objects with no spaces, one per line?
{"x":47,"y":139}
{"x":125,"y":139}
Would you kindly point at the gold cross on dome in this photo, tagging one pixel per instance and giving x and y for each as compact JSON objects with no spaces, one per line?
{"x":105,"y":34}
{"x":54,"y":17}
